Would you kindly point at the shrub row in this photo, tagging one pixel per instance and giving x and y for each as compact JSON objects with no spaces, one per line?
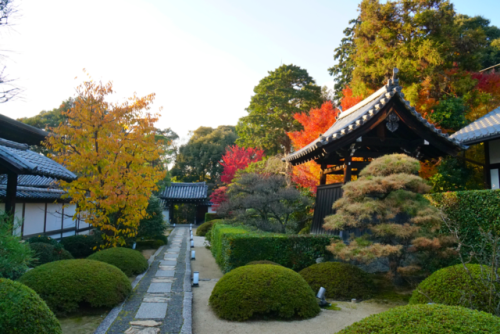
{"x":471,"y":210}
{"x":210,"y":216}
{"x":202,"y":230}
{"x":45,"y":253}
{"x":130,"y":261}
{"x":234,"y":246}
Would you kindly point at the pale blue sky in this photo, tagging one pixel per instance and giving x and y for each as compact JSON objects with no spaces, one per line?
{"x":201,"y":58}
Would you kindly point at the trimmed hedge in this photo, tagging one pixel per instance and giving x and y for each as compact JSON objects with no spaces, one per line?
{"x":447,"y":286}
{"x":44,"y":239}
{"x":81,"y":246}
{"x":22,"y":311}
{"x":130,"y":261}
{"x":149,"y":244}
{"x":234,"y":246}
{"x":45,"y":253}
{"x":66,"y":284}
{"x":210,"y":216}
{"x":263,"y":262}
{"x":471,"y":210}
{"x":341,"y":280}
{"x":263,"y":290}
{"x":418,"y":319}
{"x":202,"y":230}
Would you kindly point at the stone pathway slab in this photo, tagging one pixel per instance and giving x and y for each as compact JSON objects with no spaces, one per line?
{"x":152,"y":311}
{"x":160,"y":287}
{"x":165,"y":273}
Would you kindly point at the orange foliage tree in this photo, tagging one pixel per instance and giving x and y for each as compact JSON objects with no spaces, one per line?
{"x":316,"y":122}
{"x":111,"y":147}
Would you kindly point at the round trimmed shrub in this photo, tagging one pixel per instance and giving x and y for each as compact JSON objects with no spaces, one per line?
{"x":22,"y":311}
{"x":263,"y":290}
{"x":81,"y":246}
{"x":130,"y":261}
{"x":447,"y":286}
{"x":65,"y":285}
{"x":45,"y":253}
{"x":202,"y":230}
{"x":342,"y":281}
{"x":437,"y":319}
{"x":263,"y":262}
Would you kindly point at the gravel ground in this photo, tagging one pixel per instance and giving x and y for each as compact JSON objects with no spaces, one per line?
{"x":206,"y":322}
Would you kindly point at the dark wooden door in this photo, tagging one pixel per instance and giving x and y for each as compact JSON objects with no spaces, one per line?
{"x":325,"y":197}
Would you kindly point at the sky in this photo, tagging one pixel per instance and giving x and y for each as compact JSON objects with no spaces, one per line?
{"x":202,"y":59}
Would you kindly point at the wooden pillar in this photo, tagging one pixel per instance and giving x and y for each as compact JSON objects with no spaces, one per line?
{"x":486,"y":168}
{"x":322,"y":175}
{"x":10,"y":199}
{"x":347,"y":169}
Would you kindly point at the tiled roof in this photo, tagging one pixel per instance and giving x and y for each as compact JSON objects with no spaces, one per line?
{"x":33,"y":193}
{"x":30,"y":181}
{"x":185,"y":191}
{"x":28,"y":162}
{"x":485,"y":128}
{"x":357,"y":115}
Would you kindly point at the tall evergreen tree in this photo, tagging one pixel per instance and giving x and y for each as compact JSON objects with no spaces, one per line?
{"x":284,"y":92}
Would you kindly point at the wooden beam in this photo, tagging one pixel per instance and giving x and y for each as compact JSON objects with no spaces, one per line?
{"x":486,"y":168}
{"x":347,"y":170}
{"x":322,"y":175}
{"x":10,"y":198}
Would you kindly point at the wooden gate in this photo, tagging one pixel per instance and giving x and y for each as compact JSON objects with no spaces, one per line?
{"x":325,"y":197}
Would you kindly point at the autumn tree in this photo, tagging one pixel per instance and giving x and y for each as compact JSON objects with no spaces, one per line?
{"x":315,"y":123}
{"x":200,"y":158}
{"x":387,"y":204}
{"x":111,"y":148}
{"x":284,"y":92}
{"x":237,"y":158}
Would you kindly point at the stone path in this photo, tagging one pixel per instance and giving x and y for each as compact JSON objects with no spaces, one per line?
{"x":162,"y":300}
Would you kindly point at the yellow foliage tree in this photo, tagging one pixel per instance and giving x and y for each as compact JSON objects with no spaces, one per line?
{"x":112,"y":149}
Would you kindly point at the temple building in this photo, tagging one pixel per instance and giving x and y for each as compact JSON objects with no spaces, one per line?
{"x":383,"y":123}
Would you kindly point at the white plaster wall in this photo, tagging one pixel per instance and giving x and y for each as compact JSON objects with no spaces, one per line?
{"x":166,"y":216}
{"x":54,"y":217}
{"x":34,"y":215}
{"x":211,"y":210}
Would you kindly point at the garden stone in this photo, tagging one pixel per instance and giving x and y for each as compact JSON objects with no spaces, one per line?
{"x":152,"y":311}
{"x":139,"y":330}
{"x":145,"y":323}
{"x":160,"y":287}
{"x":155,"y":300}
{"x":165,"y":273}
{"x":167,"y":267}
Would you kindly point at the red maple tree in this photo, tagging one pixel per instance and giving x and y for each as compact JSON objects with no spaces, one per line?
{"x":315,"y":123}
{"x":237,"y":158}
{"x":234,"y":159}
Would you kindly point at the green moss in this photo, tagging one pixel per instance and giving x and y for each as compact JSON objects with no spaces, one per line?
{"x":263,"y":262}
{"x":65,"y":285}
{"x":263,"y":291}
{"x":130,"y":261}
{"x":22,"y":311}
{"x":341,"y":280}
{"x":202,"y":230}
{"x":45,"y":253}
{"x":333,"y":307}
{"x":436,"y":319}
{"x":450,"y":285}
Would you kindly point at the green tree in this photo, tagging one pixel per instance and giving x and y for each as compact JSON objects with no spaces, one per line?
{"x":153,"y":226}
{"x":48,"y":119}
{"x":284,"y":92}
{"x":15,"y":256}
{"x":342,"y":71}
{"x":199,"y":159}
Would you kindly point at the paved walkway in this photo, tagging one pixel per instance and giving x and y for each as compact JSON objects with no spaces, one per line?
{"x":162,"y":299}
